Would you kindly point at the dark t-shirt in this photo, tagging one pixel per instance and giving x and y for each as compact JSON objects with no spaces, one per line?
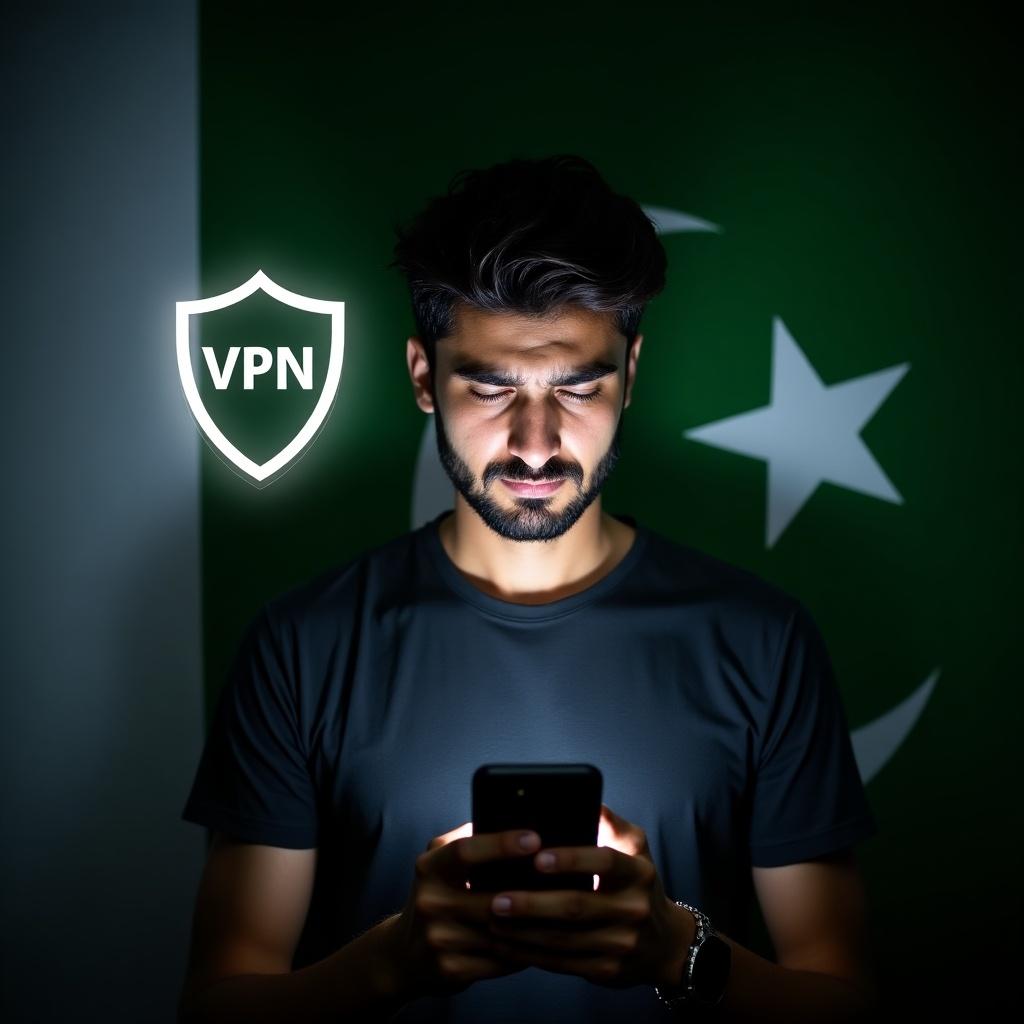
{"x":360,"y":704}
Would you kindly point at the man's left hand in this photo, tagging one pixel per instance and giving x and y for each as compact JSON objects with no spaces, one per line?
{"x":627,"y":932}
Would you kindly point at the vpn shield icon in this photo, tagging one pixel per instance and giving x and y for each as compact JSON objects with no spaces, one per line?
{"x":246,"y":368}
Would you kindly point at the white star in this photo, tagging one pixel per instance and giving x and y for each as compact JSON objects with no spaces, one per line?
{"x":809,"y":433}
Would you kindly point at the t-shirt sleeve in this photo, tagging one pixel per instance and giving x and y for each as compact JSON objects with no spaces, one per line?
{"x":809,"y":799}
{"x":253,"y":781}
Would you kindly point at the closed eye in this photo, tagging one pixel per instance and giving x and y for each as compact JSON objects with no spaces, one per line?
{"x":582,"y":396}
{"x":497,"y":396}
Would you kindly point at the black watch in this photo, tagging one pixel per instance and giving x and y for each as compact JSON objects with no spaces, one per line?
{"x":707,"y":967}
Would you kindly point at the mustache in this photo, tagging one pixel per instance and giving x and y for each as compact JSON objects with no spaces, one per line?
{"x":520,"y":472}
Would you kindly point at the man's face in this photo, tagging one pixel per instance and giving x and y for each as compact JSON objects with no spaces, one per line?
{"x":520,"y":400}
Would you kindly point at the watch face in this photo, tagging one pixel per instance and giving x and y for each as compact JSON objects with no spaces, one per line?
{"x":711,"y":970}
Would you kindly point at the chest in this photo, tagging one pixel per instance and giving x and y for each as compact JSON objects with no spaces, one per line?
{"x":659,"y":707}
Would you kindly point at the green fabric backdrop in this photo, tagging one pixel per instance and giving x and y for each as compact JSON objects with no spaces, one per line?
{"x":861,"y":176}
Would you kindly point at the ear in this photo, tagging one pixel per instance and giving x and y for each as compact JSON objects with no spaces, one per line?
{"x":419,"y":372}
{"x":634,"y":355}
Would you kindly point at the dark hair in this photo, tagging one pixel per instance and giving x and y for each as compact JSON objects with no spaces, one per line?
{"x":527,"y":236}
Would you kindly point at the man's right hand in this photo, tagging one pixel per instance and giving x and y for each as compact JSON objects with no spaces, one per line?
{"x":440,"y":940}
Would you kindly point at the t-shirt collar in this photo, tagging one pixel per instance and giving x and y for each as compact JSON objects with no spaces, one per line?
{"x":529,"y":612}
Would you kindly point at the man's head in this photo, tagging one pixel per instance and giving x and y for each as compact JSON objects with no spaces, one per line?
{"x":528,"y":281}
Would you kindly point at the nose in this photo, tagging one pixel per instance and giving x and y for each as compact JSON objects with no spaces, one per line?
{"x":534,"y":431}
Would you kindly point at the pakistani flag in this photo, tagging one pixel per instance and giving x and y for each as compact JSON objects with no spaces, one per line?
{"x":827,"y":389}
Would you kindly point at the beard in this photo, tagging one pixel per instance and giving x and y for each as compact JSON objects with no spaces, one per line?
{"x":531,"y":519}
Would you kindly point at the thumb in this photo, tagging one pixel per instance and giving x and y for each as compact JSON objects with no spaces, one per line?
{"x":620,"y":834}
{"x":465,"y":829}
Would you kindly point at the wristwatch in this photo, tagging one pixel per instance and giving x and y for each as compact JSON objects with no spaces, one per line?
{"x":707,"y":967}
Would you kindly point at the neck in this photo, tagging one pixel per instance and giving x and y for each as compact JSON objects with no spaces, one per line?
{"x":534,"y":572}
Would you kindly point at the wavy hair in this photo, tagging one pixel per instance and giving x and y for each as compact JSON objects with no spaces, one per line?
{"x":527,"y":236}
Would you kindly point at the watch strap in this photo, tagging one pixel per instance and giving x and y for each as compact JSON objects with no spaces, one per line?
{"x":683,"y":993}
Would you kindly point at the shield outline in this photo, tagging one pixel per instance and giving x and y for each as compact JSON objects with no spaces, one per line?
{"x":260,"y":472}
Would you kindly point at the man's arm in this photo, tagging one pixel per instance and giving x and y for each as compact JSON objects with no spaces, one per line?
{"x":251,"y":907}
{"x":815,"y":912}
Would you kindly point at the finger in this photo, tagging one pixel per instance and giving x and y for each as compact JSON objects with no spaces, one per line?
{"x":437,"y":900}
{"x":601,"y":969}
{"x":570,"y":906}
{"x":465,"y":829}
{"x":448,"y":935}
{"x":453,"y":860}
{"x":590,"y":941}
{"x":617,"y":832}
{"x":617,"y":870}
{"x":463,"y":969}
{"x":466,"y":953}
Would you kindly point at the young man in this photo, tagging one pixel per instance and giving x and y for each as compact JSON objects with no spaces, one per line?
{"x":529,"y":625}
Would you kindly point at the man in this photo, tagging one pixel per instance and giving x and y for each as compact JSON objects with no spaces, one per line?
{"x":528,"y":624}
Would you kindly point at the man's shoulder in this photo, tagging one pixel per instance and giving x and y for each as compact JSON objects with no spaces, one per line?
{"x":699,"y":577}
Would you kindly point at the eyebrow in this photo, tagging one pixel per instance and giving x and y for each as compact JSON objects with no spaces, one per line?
{"x":485,"y":373}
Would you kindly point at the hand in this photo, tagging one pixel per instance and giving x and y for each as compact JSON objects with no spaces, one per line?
{"x":627,"y":932}
{"x":440,"y":941}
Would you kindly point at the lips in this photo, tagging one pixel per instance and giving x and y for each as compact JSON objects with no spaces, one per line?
{"x":527,"y":490}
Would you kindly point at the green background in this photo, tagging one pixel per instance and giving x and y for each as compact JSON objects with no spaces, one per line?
{"x":863,"y":167}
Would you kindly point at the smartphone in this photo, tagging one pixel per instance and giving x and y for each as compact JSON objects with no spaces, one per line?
{"x":561,"y":802}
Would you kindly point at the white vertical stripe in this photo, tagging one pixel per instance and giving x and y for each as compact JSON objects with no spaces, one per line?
{"x":101,"y":698}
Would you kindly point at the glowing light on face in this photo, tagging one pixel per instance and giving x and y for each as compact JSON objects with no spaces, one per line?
{"x":530,"y":519}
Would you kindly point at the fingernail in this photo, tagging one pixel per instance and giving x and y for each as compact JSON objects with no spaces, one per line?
{"x":529,"y":840}
{"x":545,"y":860}
{"x":501,"y":904}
